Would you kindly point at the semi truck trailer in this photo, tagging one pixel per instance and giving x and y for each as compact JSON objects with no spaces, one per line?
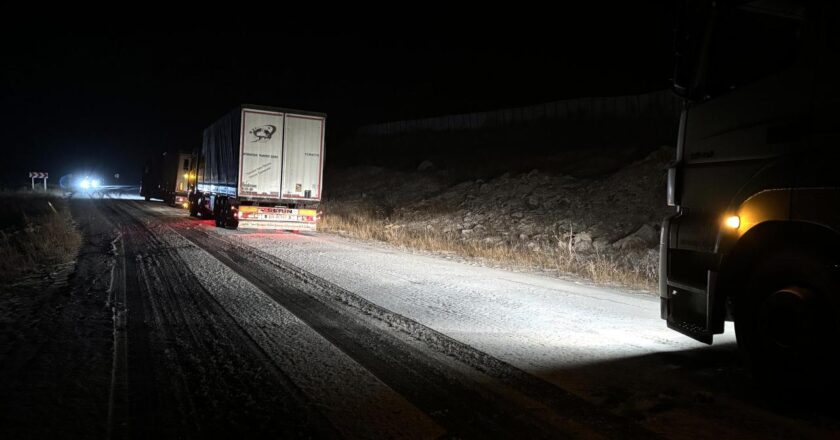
{"x":168,"y":177}
{"x":261,"y":167}
{"x":756,"y":184}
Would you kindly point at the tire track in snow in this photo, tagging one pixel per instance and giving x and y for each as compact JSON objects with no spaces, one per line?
{"x":118,"y":392}
{"x":133,"y":398}
{"x":453,"y":398}
{"x":211,"y":375}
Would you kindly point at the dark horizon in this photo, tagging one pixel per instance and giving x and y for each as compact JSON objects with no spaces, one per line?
{"x":78,"y":102}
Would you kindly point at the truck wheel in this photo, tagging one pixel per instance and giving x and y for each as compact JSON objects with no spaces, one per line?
{"x":218,"y":217}
{"x":786,"y":321}
{"x":230,"y":221}
{"x":221,"y":212}
{"x":147,"y":198}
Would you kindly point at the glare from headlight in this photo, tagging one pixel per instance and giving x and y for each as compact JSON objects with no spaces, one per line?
{"x":85,"y":183}
{"x":94,"y":183}
{"x":733,"y":222}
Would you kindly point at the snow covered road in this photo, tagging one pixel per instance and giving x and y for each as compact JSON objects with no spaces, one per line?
{"x":605,"y":345}
{"x":221,"y":332}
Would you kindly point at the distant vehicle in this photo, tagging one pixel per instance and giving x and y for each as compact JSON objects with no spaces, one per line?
{"x":261,"y":167}
{"x":84,"y":184}
{"x":167,"y":177}
{"x":756,"y":236}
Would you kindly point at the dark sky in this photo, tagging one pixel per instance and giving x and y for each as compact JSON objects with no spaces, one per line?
{"x":102,"y":101}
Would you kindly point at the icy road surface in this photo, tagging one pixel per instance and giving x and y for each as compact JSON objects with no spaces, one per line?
{"x":170,"y":327}
{"x":608,"y":346}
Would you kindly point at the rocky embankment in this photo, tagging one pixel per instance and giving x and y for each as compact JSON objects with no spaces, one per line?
{"x":611,"y":219}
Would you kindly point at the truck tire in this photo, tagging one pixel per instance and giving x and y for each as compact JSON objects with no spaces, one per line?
{"x":220,"y":213}
{"x":147,"y":198}
{"x":228,"y":221}
{"x":218,"y":218}
{"x":786,"y":321}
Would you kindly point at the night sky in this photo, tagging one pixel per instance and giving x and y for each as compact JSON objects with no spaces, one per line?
{"x":102,"y":101}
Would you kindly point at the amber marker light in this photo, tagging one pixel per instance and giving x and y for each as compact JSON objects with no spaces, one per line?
{"x":733,"y":222}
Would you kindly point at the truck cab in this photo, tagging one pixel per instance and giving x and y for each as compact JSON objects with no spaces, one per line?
{"x":184,"y":178}
{"x":756,"y":234}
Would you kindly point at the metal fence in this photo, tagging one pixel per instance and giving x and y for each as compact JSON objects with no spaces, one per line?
{"x":655,"y":105}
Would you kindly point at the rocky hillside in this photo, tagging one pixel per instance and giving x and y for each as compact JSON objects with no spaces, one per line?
{"x":611,"y":220}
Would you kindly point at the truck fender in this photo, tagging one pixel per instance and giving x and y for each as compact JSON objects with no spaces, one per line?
{"x":765,"y":238}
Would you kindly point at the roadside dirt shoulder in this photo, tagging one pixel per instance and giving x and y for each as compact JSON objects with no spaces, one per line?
{"x":55,"y":366}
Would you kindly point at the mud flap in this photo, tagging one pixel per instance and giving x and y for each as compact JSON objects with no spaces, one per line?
{"x":689,"y":309}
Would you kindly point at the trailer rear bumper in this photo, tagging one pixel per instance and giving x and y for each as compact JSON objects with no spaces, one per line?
{"x":277,"y":218}
{"x":277,"y":225}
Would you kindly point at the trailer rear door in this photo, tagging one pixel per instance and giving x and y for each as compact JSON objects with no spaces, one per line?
{"x":303,"y":157}
{"x":260,"y":163}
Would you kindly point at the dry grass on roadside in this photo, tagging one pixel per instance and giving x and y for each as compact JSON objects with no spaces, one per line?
{"x":634,"y":269}
{"x":36,"y":232}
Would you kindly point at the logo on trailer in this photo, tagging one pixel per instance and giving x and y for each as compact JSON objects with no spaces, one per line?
{"x":262,"y":133}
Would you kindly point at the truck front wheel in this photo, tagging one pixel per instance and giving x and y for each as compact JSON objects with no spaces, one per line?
{"x":786,"y":320}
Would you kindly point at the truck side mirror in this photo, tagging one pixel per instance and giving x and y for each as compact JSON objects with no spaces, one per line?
{"x":692,"y":35}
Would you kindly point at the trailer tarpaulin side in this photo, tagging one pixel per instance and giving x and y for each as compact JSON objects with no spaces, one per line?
{"x":220,"y":154}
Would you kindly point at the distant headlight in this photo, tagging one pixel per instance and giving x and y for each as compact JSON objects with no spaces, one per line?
{"x":94,"y":183}
{"x":84,"y":184}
